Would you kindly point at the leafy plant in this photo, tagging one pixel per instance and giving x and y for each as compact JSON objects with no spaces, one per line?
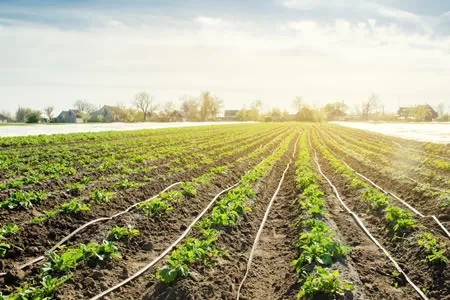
{"x":433,"y":248}
{"x":323,"y":282}
{"x":3,"y":249}
{"x":100,"y":196}
{"x":125,"y":184}
{"x":45,"y":291}
{"x":376,"y":199}
{"x":399,"y":219}
{"x":155,"y":207}
{"x":189,"y":189}
{"x":118,"y":233}
{"x":193,"y":250}
{"x":72,"y":207}
{"x":75,"y":189}
{"x":318,"y":247}
{"x":8,"y":230}
{"x":23,"y":199}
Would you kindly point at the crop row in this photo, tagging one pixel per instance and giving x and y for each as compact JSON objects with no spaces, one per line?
{"x":395,"y":172}
{"x":226,"y":213}
{"x":158,"y":206}
{"x":108,"y":159}
{"x":317,"y":245}
{"x":423,"y":149}
{"x":77,"y":208}
{"x":398,"y":229}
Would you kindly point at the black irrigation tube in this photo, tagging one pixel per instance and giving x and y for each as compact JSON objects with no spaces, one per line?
{"x":411,"y":208}
{"x":364,"y":228}
{"x":263,"y":222}
{"x":172,"y":246}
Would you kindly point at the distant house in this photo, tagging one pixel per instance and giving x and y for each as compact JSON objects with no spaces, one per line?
{"x":70,"y":116}
{"x":335,"y":115}
{"x":107,"y":114}
{"x":419,"y":112}
{"x":230,"y":114}
{"x":3,"y":119}
{"x":176,"y":116}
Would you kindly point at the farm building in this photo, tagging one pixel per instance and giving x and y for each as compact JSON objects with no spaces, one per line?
{"x":230,"y":114}
{"x":3,"y":119}
{"x":418,"y":113}
{"x":107,"y":114}
{"x":70,"y":116}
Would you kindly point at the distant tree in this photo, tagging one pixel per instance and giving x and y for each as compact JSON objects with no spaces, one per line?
{"x":23,"y":113}
{"x":441,"y":109}
{"x":144,"y":102}
{"x":255,"y":110}
{"x":6,"y":114}
{"x":276,"y":113}
{"x":191,"y":108}
{"x":297,"y":103}
{"x":168,"y":110}
{"x":84,"y":106}
{"x":210,"y":105}
{"x":242,"y":115}
{"x":34,"y":117}
{"x":49,"y":112}
{"x":370,"y":105}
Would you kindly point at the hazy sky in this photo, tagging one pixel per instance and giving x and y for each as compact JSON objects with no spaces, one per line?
{"x":54,"y":52}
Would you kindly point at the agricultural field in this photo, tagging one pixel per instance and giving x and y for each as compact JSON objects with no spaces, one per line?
{"x":244,"y":211}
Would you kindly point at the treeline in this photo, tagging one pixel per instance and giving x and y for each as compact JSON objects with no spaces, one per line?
{"x":207,"y":107}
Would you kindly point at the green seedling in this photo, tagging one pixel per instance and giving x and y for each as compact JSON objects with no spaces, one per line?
{"x":323,"y":282}
{"x":120,"y":233}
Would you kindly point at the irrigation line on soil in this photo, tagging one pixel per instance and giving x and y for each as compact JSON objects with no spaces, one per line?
{"x":366,"y":159}
{"x":263,"y":222}
{"x":366,"y":231}
{"x":174,"y":244}
{"x":84,"y":226}
{"x":400,"y":200}
{"x":418,"y":151}
{"x":261,"y":227}
{"x":411,"y":208}
{"x":168,"y":249}
{"x":66,"y":238}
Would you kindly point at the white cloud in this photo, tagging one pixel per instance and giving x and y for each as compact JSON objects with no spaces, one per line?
{"x":239,"y":61}
{"x":208,"y":21}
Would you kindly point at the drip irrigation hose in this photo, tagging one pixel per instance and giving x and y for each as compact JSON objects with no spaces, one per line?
{"x":261,"y":226}
{"x":404,"y":176}
{"x":66,"y":238}
{"x":411,"y":208}
{"x":168,"y":249}
{"x":415,"y":211}
{"x":366,"y":231}
{"x":174,"y":244}
{"x":258,"y":234}
{"x":84,"y":226}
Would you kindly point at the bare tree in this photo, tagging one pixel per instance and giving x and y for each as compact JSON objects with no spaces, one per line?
{"x":144,"y":102}
{"x":297,"y":103}
{"x":370,"y":105}
{"x":441,"y":109}
{"x":210,"y":105}
{"x":255,"y":110}
{"x":84,"y":106}
{"x":49,"y":112}
{"x":190,"y":107}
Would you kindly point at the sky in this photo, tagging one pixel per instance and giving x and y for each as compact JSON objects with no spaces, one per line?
{"x":106,"y":51}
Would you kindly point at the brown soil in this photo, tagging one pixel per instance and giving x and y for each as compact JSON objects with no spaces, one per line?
{"x":406,"y":252}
